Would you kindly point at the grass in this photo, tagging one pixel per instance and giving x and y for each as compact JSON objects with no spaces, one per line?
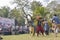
{"x":30,"y":37}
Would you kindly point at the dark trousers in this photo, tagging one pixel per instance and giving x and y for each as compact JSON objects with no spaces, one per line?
{"x":47,"y":32}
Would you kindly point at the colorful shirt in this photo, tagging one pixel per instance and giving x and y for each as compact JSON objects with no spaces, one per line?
{"x":56,"y":19}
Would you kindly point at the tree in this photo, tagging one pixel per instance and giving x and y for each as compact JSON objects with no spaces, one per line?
{"x":35,"y":4}
{"x":23,"y":4}
{"x":54,"y":8}
{"x":18,"y":15}
{"x":4,"y":11}
{"x":38,"y":9}
{"x":15,"y":13}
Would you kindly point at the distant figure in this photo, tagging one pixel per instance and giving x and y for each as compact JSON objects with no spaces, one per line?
{"x":56,"y":22}
{"x":46,"y":27}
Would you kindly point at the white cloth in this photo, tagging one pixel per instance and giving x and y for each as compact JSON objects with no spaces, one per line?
{"x":56,"y":30}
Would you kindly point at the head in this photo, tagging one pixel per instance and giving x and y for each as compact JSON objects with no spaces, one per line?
{"x":45,"y":21}
{"x":40,"y":17}
{"x":55,"y":14}
{"x":53,"y":22}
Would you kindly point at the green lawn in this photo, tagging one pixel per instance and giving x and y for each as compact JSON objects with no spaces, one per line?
{"x":30,"y":37}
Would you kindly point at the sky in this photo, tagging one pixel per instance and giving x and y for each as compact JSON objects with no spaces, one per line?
{"x":44,"y":2}
{"x":9,"y":3}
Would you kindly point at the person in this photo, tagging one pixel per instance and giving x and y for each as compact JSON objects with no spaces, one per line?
{"x":55,"y":28}
{"x":46,"y":27}
{"x":39,"y":27}
{"x":32,"y":27}
{"x":56,"y":21}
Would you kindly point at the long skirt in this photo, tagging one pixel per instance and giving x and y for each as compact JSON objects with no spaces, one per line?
{"x":39,"y":29}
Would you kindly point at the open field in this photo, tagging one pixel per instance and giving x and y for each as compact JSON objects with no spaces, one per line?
{"x":30,"y":37}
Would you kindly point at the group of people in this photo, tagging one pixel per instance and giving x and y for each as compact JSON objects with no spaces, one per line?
{"x":43,"y":26}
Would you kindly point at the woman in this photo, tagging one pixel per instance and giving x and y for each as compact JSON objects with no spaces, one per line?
{"x":39,"y":27}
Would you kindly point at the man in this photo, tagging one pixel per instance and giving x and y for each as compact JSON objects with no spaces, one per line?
{"x":56,"y":21}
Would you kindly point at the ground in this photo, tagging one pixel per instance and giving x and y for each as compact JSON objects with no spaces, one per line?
{"x":30,"y":37}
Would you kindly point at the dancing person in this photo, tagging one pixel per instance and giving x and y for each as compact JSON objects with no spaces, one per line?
{"x":56,"y":22}
{"x":46,"y":27}
{"x":39,"y":27}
